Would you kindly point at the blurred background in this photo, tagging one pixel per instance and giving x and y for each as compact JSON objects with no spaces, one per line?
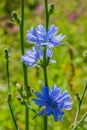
{"x":69,"y":72}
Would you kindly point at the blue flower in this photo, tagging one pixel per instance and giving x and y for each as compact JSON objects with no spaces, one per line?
{"x":35,"y":57}
{"x":52,"y":102}
{"x":41,"y":37}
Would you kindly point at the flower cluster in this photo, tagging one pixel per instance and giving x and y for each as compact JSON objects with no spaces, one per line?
{"x":40,"y":38}
{"x":53,"y":102}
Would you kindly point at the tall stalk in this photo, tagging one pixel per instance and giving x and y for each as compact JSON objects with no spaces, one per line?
{"x":44,"y":58}
{"x":9,"y":92}
{"x":46,"y":14}
{"x":46,"y":84}
{"x":24,"y":66}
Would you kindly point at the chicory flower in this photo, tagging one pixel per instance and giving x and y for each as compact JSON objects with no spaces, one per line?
{"x":35,"y":57}
{"x":53,"y":102}
{"x":40,"y":36}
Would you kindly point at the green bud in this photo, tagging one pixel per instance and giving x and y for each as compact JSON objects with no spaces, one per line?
{"x":19,"y":87}
{"x":51,"y":9}
{"x":16,"y":17}
{"x":6,"y":53}
{"x":19,"y":98}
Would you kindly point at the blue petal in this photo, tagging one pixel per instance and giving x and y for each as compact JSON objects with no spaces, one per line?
{"x":48,"y":111}
{"x":58,"y":38}
{"x":53,"y":43}
{"x":39,"y":95}
{"x":32,"y":36}
{"x":26,"y":58}
{"x":32,"y":31}
{"x":41,"y":113}
{"x":47,"y":43}
{"x":67,"y":105}
{"x":52,"y":30}
{"x":30,"y":54}
{"x":28,"y":61}
{"x":49,"y":53}
{"x":46,"y":92}
{"x":55,"y":115}
{"x":64,"y":97}
{"x":41,"y":31}
{"x":37,"y":55}
{"x":60,"y":105}
{"x":58,"y":114}
{"x":39,"y":102}
{"x":41,"y":51}
{"x":32,"y":39}
{"x":55,"y":92}
{"x":61,"y":115}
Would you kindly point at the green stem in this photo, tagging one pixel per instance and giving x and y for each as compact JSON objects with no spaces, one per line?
{"x":22,"y":27}
{"x":27,"y":104}
{"x":7,"y":69}
{"x":45,"y":76}
{"x":24,"y":66}
{"x":13,"y":116}
{"x":46,"y":84}
{"x":9,"y":95}
{"x":45,"y":67}
{"x":45,"y":122}
{"x":80,"y":103}
{"x":78,"y":124}
{"x":44,"y":58}
{"x":46,"y":13}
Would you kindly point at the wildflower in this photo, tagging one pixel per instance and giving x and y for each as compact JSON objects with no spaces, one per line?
{"x":35,"y":57}
{"x":52,"y":102}
{"x":41,"y":37}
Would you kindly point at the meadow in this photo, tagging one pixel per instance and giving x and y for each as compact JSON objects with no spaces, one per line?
{"x":69,"y":72}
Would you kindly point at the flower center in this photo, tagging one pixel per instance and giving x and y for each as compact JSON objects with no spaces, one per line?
{"x":53,"y":104}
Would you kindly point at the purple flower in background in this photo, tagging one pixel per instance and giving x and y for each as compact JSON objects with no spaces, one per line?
{"x":40,"y":8}
{"x":52,"y":102}
{"x":35,"y":57}
{"x":41,"y":37}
